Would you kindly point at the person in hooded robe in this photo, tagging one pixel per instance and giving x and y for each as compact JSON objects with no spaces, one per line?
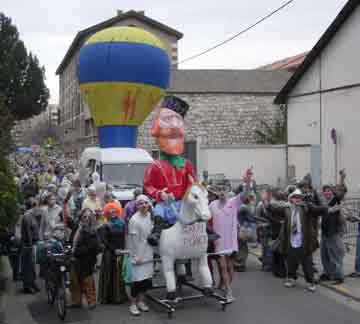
{"x":112,"y":235}
{"x":86,"y":247}
{"x":100,"y":186}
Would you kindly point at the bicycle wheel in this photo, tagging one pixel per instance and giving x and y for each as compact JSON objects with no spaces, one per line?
{"x":61,"y":301}
{"x":50,"y":292}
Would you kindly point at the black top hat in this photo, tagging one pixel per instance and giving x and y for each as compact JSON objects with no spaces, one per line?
{"x":176,"y":104}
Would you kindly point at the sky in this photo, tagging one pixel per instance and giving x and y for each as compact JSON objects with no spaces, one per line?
{"x":48,"y":28}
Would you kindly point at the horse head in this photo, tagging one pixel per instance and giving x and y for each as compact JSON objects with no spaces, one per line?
{"x":195,"y":205}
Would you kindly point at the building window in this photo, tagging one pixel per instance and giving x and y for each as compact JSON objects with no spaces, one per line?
{"x":89,"y":126}
{"x":77,"y":100}
{"x":81,"y":104}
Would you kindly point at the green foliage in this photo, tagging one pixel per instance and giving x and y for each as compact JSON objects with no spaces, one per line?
{"x":6,"y":123}
{"x":21,"y":78}
{"x":22,"y":95}
{"x":273,"y":133}
{"x":9,"y":195}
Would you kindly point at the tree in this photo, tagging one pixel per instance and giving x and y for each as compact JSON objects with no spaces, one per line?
{"x":275,"y":133}
{"x":9,"y":196}
{"x":21,"y":78}
{"x":23,"y":94}
{"x":6,"y":122}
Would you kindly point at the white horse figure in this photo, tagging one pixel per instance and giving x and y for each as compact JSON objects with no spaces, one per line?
{"x":187,"y":238}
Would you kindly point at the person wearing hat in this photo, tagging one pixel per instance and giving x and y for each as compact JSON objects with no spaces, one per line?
{"x":100,"y":186}
{"x":51,"y":187}
{"x":141,"y":252}
{"x":213,"y":193}
{"x":93,"y":202}
{"x":130,"y":208}
{"x":297,"y":239}
{"x":168,"y":179}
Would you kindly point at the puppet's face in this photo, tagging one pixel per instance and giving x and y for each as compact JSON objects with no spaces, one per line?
{"x":168,"y":129}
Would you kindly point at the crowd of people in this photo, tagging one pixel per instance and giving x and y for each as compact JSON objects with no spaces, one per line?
{"x":58,"y":207}
{"x":290,"y":224}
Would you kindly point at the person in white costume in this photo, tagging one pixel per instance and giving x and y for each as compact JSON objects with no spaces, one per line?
{"x":140,"y":226}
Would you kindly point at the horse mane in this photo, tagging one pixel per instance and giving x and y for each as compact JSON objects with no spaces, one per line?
{"x":196,"y":183}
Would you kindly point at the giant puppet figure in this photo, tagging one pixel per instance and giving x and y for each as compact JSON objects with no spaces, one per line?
{"x":168,"y":178}
{"x":180,"y":200}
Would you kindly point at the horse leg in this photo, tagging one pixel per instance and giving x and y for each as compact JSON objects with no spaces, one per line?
{"x":180,"y":269}
{"x":204,"y":272}
{"x":169,"y":274}
{"x":180,"y":272}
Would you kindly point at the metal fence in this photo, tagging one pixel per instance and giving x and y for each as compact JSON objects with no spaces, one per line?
{"x":351,"y":212}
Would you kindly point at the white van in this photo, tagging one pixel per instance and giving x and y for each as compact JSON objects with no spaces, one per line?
{"x":121,"y":167}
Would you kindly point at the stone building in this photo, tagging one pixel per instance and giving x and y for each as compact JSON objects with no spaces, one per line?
{"x":226,"y":106}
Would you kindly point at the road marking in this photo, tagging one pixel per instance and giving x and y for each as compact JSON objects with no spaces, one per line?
{"x":343,"y":289}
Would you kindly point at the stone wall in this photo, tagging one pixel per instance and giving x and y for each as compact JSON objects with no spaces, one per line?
{"x":220,"y":119}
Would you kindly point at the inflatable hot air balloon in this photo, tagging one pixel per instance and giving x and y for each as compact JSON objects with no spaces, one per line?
{"x":123,"y":73}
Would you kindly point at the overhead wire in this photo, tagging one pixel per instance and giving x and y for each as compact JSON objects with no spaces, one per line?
{"x":236,"y":35}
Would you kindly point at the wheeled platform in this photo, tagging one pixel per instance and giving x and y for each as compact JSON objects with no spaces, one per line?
{"x":170,"y":305}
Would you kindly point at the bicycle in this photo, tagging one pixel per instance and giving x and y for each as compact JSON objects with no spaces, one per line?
{"x":57,"y":279}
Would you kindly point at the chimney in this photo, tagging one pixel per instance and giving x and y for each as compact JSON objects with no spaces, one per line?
{"x":119,"y":12}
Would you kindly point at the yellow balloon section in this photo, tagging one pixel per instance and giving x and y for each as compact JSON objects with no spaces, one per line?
{"x":125,"y":34}
{"x":120,"y":103}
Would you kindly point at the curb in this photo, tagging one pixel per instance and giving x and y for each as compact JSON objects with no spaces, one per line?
{"x":340,"y":289}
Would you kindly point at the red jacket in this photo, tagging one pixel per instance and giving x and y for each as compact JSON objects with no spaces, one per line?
{"x":162,"y":175}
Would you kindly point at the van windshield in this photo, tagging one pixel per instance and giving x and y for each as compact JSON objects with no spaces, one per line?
{"x":124,"y":175}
